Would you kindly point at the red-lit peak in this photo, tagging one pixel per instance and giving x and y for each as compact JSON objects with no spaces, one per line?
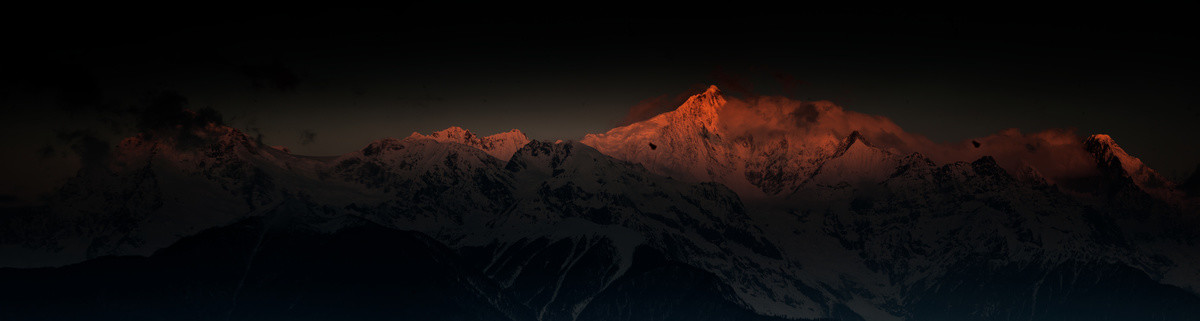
{"x":454,"y":133}
{"x":1102,"y":139}
{"x":703,"y":106}
{"x":1105,"y":147}
{"x":854,"y":137}
{"x":698,"y":110}
{"x":514,"y":134}
{"x":500,"y":145}
{"x":1112,"y":157}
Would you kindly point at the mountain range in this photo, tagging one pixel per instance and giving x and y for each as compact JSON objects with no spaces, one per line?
{"x":725,"y":208}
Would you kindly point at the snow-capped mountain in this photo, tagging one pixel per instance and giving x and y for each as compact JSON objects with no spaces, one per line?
{"x":684,"y":143}
{"x":1114,"y":162}
{"x":721,"y":209}
{"x":501,"y":145}
{"x":157,"y":189}
{"x":918,"y":217}
{"x":769,"y":146}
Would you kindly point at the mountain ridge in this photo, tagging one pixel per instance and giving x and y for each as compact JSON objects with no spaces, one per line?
{"x":797,"y":219}
{"x":500,"y":145}
{"x":705,"y":143}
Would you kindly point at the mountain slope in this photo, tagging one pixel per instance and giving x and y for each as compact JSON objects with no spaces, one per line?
{"x":1115,"y":163}
{"x":266,"y":267}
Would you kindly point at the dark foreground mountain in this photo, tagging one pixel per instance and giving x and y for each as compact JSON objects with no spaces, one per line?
{"x":724,"y":209}
{"x":289,"y":265}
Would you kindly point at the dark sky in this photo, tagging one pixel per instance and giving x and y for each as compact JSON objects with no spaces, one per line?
{"x":330,"y":80}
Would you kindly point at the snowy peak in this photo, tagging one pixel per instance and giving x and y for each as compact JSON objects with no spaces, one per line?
{"x":702,"y":107}
{"x":454,"y":133}
{"x":501,"y":145}
{"x":988,"y":166}
{"x":855,"y":149}
{"x":854,"y":141}
{"x":1105,"y":147}
{"x":513,"y":134}
{"x":192,"y":147}
{"x":419,"y":153}
{"x":685,"y":143}
{"x":539,"y":154}
{"x":207,"y":136}
{"x":1112,"y":158}
{"x":856,"y":161}
{"x":751,"y":147}
{"x":556,"y":156}
{"x":381,"y":146}
{"x":1113,"y":161}
{"x":1029,"y":174}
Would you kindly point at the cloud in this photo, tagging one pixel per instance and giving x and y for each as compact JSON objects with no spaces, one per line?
{"x":651,"y":107}
{"x":756,"y":81}
{"x":164,"y":114}
{"x":805,"y":114}
{"x":1058,"y":154}
{"x":733,"y":83}
{"x":307,"y":136}
{"x":804,"y":122}
{"x":92,"y":150}
{"x":161,"y":115}
{"x":165,"y":110}
{"x":46,"y":152}
{"x":71,"y":117}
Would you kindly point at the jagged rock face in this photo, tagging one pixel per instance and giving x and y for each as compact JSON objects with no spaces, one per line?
{"x":426,"y":178}
{"x":1116,"y":164}
{"x":154,"y":191}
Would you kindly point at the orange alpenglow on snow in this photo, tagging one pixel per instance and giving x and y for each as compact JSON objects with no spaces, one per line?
{"x":766,"y":146}
{"x":501,"y":145}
